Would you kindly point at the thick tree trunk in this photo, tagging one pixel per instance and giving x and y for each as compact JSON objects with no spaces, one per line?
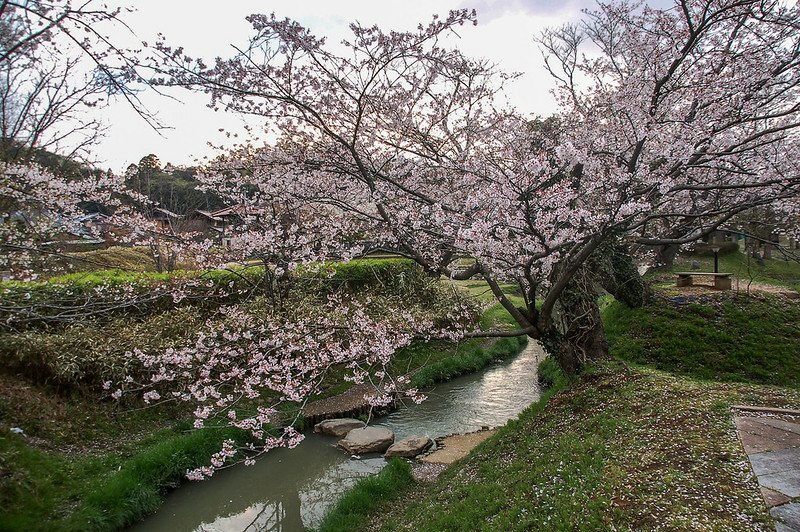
{"x":616,"y":272}
{"x":665,"y":256}
{"x":577,"y":337}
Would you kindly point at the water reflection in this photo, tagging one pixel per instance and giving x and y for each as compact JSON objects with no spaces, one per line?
{"x":290,"y":490}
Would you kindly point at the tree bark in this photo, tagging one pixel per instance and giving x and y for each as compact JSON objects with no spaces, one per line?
{"x":614,"y":268}
{"x":577,"y":336}
{"x":665,"y":256}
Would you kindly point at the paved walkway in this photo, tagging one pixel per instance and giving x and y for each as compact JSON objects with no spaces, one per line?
{"x":771,"y":439}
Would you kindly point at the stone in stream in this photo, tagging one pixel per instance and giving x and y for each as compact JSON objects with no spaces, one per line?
{"x":367,"y":440}
{"x":409,"y":447}
{"x":338,"y":427}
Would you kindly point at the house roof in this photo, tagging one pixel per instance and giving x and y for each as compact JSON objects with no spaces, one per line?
{"x":227,"y":211}
{"x":207,"y":214}
{"x":168,"y":213}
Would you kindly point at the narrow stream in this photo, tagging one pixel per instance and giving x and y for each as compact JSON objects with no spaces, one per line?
{"x":290,"y":490}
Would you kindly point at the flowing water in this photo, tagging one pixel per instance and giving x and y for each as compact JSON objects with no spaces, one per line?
{"x":290,"y":489}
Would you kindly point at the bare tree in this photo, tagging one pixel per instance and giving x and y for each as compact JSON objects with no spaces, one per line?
{"x":57,"y":64}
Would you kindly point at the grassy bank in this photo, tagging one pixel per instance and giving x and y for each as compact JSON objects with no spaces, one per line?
{"x":628,"y":446}
{"x":448,"y":361}
{"x":352,"y":510}
{"x":106,"y":492}
{"x":86,"y":464}
{"x":719,"y":338}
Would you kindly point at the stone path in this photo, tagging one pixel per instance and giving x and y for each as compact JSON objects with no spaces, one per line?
{"x":771,"y":438}
{"x":348,"y":404}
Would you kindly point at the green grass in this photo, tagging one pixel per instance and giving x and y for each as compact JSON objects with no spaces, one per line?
{"x":720,"y":338}
{"x":353,"y":508}
{"x":480,"y":289}
{"x":626,"y":446}
{"x":620,"y":448}
{"x":550,"y":374}
{"x":50,"y":491}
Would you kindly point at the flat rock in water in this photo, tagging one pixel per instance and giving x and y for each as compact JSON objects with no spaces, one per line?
{"x":367,"y":440}
{"x":409,"y":447}
{"x":338,"y":427}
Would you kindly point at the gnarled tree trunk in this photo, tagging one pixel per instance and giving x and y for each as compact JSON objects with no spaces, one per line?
{"x":615,"y":270}
{"x":576,"y":336}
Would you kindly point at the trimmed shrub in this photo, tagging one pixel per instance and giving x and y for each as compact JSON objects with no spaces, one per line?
{"x":114,"y":293}
{"x":86,"y":354}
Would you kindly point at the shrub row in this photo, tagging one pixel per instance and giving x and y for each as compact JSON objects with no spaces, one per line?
{"x":111,"y":293}
{"x":80,"y":356}
{"x":87,"y":354}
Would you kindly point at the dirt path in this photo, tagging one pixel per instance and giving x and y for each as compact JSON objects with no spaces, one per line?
{"x":739,"y":285}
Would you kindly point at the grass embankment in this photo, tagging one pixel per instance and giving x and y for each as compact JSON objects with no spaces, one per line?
{"x":752,"y":339}
{"x":627,"y":446}
{"x":103,"y":492}
{"x":83,"y":464}
{"x":466,"y":359}
{"x":351,"y":511}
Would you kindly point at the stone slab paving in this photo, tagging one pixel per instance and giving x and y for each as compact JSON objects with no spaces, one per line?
{"x":772,"y":443}
{"x":788,"y":516}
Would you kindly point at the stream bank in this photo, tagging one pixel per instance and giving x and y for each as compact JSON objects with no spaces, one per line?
{"x":624,"y":446}
{"x":470,"y":358}
{"x":293,"y":489}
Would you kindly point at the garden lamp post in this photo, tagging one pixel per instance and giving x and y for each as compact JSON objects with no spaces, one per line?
{"x":715,"y":249}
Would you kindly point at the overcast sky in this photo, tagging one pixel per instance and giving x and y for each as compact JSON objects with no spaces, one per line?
{"x":208,"y":29}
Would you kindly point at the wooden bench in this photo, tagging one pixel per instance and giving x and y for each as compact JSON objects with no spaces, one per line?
{"x":722,"y":281}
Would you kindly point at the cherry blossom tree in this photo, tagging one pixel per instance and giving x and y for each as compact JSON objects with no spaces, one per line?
{"x":57,"y":64}
{"x":673,"y":122}
{"x":701,"y":99}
